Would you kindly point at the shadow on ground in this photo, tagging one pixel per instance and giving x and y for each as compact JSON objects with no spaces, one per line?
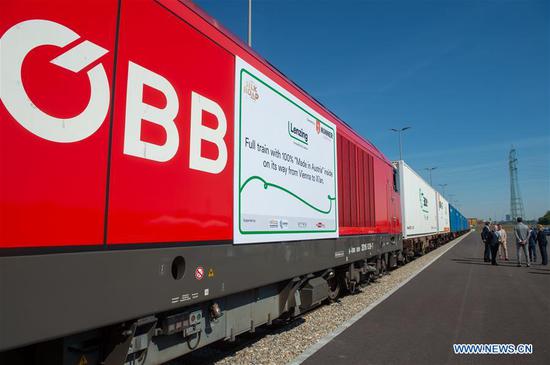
{"x":225,"y":349}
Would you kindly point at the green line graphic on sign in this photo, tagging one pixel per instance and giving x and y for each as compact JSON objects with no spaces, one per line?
{"x":268,"y":184}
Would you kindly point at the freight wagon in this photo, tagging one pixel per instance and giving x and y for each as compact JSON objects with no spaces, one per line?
{"x":419,"y":211}
{"x":163,"y":187}
{"x":427,"y":219}
{"x":459,"y":223}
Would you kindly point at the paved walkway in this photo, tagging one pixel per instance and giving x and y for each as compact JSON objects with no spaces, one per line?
{"x":458,"y":299}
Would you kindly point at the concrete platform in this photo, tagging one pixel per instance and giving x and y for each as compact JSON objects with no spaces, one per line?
{"x":458,"y":299}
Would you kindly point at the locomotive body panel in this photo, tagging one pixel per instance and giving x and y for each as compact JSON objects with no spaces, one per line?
{"x":181,"y":73}
{"x":155,"y":170}
{"x":52,"y":179}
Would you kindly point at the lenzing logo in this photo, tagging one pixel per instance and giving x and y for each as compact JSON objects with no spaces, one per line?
{"x":16,"y":44}
{"x":297,"y":133}
{"x":423,"y":201}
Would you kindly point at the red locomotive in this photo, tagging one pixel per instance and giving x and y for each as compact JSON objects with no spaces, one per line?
{"x":135,"y":214}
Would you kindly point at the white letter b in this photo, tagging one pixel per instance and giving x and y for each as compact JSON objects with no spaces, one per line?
{"x":200,"y":132}
{"x":137,"y":110}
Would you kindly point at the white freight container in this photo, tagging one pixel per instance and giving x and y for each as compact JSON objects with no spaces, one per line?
{"x":418,"y":203}
{"x":443,"y":221}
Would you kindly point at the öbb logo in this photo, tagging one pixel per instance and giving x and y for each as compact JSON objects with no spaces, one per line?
{"x":16,"y":44}
{"x":18,"y":41}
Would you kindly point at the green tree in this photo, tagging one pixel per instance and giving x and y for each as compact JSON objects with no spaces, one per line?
{"x":545,"y":219}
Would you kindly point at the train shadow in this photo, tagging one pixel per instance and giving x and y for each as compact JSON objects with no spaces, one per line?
{"x":225,"y":349}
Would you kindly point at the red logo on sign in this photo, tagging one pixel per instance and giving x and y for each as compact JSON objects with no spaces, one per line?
{"x":318,"y":126}
{"x":199,"y":273}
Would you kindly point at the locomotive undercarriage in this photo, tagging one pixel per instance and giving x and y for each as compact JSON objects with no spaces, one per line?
{"x":158,"y":338}
{"x":244,"y":312}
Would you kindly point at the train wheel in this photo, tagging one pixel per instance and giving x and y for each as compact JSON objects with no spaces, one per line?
{"x":383,"y":261}
{"x":334,"y":288}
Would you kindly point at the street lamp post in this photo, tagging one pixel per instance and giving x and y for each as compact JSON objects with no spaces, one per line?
{"x":250,"y":23}
{"x":430,"y":169}
{"x":400,"y":145}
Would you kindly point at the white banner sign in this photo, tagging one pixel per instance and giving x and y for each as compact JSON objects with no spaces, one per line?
{"x":418,"y":204}
{"x":285,"y":164}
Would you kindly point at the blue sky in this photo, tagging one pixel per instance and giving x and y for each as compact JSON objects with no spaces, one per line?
{"x":472,"y":78}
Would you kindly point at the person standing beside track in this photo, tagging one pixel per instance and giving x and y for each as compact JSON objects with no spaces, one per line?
{"x":533,"y":244}
{"x":543,"y":242}
{"x":502,"y":247}
{"x":494,"y":241}
{"x":521,"y":232}
{"x":485,"y":235}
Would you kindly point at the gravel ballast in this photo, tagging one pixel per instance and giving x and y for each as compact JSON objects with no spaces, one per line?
{"x":281,"y":344}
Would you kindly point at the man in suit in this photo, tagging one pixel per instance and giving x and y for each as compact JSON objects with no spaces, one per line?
{"x":543,"y":242}
{"x":485,"y":237}
{"x":521,"y":232}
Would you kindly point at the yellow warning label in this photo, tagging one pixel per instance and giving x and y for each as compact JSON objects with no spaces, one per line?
{"x":211,"y":273}
{"x":83,"y":361}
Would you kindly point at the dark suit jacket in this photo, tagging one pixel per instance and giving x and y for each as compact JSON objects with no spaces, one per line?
{"x":541,"y":238}
{"x":493,"y":238}
{"x":485,"y":234}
